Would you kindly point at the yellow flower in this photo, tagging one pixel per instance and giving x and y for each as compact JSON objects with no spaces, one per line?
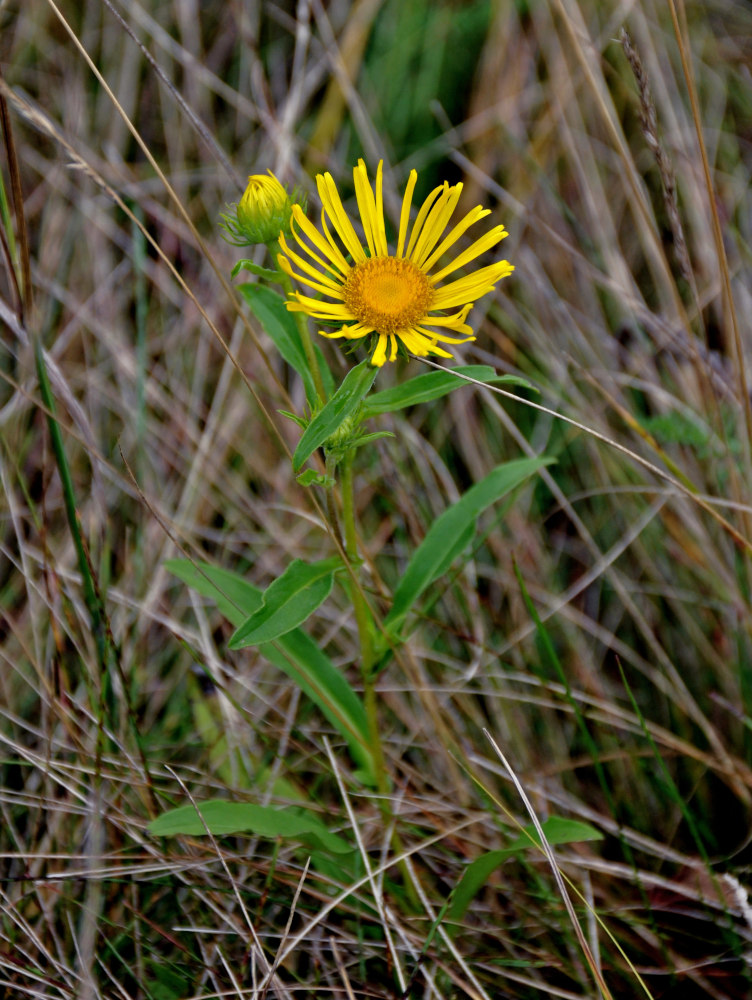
{"x":396,"y":297}
{"x":262,"y":214}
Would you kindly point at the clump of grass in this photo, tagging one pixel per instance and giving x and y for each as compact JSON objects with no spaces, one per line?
{"x":600,"y":631}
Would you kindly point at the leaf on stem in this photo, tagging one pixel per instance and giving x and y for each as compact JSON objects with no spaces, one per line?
{"x":342,"y":405}
{"x":287,"y":602}
{"x":249,"y":265}
{"x":224,"y":818}
{"x":434,"y":385}
{"x":295,"y":653}
{"x":556,"y":829}
{"x":452,"y":532}
{"x":269,"y":309}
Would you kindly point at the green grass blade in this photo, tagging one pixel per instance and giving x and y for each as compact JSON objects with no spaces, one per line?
{"x":106,"y":653}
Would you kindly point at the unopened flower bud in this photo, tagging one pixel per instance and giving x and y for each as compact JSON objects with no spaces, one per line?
{"x":262,"y":213}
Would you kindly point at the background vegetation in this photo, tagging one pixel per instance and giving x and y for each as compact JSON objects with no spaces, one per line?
{"x":600,"y":632}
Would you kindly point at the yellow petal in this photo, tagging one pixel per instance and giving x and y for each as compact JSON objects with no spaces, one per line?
{"x":318,"y":308}
{"x":379,"y":232}
{"x":379,"y":355}
{"x":442,"y":337}
{"x":470,"y":219}
{"x":332,"y":204}
{"x":321,"y":282}
{"x":366,"y":205}
{"x":422,"y":213}
{"x":415,"y":341}
{"x":490,"y":239}
{"x":471,"y":286}
{"x":436,"y":223}
{"x":329,"y":250}
{"x":405,"y":213}
{"x":354,"y":332}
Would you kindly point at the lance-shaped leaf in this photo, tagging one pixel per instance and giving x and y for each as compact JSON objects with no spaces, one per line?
{"x":223,"y":818}
{"x":342,"y":405}
{"x":434,"y":385}
{"x":288,"y":602}
{"x":452,"y":532}
{"x":270,"y":310}
{"x":295,"y":653}
{"x":556,"y":829}
{"x":234,"y":596}
{"x":249,"y":265}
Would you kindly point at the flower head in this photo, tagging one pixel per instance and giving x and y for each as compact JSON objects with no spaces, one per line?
{"x":262,"y":213}
{"x":396,"y":299}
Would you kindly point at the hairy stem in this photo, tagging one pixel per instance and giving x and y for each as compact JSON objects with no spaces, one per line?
{"x":367,"y":664}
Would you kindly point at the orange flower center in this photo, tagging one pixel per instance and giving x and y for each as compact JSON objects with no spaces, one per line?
{"x":388,"y":293}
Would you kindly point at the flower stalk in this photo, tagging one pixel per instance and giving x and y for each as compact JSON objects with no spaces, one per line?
{"x":364,"y":624}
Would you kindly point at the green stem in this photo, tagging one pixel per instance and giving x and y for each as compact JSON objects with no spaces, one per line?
{"x":302,"y":324}
{"x":331,"y":505}
{"x":351,"y":548}
{"x":365,"y":630}
{"x":370,"y":701}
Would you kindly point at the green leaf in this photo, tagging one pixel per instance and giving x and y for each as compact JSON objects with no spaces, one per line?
{"x":452,"y":532}
{"x":433,"y":385}
{"x":312,"y":478}
{"x":287,"y":602}
{"x":262,"y":272}
{"x":166,"y":984}
{"x":295,"y":653}
{"x":300,"y":421}
{"x":298,"y":656}
{"x":224,"y":818}
{"x":358,"y":442}
{"x":269,"y":309}
{"x":342,"y":405}
{"x":234,"y":596}
{"x":676,"y":428}
{"x":557,"y":831}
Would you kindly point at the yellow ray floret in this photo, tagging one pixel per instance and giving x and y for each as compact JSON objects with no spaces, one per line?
{"x":397,"y":298}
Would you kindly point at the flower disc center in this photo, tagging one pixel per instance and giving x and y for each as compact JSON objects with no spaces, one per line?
{"x":388,"y":294}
